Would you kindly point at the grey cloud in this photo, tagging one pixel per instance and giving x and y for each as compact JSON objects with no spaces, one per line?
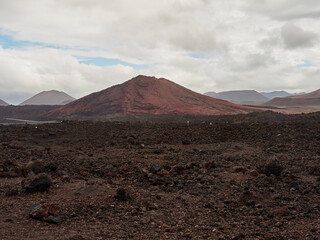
{"x":295,"y":37}
{"x":241,"y":49}
{"x":259,"y":60}
{"x":285,"y":9}
{"x":108,"y":24}
{"x":194,"y":41}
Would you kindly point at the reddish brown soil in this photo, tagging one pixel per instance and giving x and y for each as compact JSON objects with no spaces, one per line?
{"x":148,"y":95}
{"x":167,"y":181}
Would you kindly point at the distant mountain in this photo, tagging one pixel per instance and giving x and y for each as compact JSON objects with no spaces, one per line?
{"x":67,"y":101}
{"x":148,"y":95}
{"x":276,"y":94}
{"x":3,"y":103}
{"x":239,"y":96}
{"x":52,"y":97}
{"x":309,"y":99}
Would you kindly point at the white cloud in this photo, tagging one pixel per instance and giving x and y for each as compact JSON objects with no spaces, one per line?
{"x":244,"y":44}
{"x":31,"y":71}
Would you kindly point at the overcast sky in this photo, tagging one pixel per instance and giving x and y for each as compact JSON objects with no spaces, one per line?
{"x":81,"y":46}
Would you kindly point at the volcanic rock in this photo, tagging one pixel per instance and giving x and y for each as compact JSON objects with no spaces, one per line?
{"x":147,"y":95}
{"x":238,"y":169}
{"x":38,"y":183}
{"x":11,"y":191}
{"x":155,"y":168}
{"x":122,"y":194}
{"x":36,"y":166}
{"x":271,"y":167}
{"x":10,"y":169}
{"x":47,"y":212}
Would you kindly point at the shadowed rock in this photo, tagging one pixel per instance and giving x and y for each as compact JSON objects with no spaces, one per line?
{"x":38,"y":183}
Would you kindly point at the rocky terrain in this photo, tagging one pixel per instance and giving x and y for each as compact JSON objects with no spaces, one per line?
{"x":147,"y":95}
{"x":253,"y":176}
{"x":29,"y":112}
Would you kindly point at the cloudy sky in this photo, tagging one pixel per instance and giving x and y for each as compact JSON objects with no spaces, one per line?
{"x":81,"y":46}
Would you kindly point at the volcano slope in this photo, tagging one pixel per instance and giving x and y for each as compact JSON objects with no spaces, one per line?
{"x":52,"y":97}
{"x":253,"y":176}
{"x":147,"y":95}
{"x":3,"y":103}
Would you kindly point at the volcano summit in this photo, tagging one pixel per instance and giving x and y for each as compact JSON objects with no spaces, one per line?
{"x":148,"y":95}
{"x":52,"y":97}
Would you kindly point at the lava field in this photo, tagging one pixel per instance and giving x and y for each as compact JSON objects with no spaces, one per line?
{"x":251,"y":177}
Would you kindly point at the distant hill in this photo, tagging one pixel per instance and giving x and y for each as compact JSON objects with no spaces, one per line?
{"x":148,"y":95}
{"x":3,"y":103}
{"x":52,"y":97}
{"x":239,"y":96}
{"x":309,"y":99}
{"x":276,"y":94}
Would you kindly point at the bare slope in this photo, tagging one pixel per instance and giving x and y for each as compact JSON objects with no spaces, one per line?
{"x":52,"y":97}
{"x":148,"y":95}
{"x":239,"y":96}
{"x":274,"y":94}
{"x":3,"y":103}
{"x":309,"y":99}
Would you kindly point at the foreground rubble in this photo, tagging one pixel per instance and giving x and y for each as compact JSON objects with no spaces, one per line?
{"x":258,"y":178}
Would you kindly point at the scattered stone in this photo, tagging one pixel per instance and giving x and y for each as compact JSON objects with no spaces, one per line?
{"x":36,"y":166}
{"x":11,"y":191}
{"x":55,"y":219}
{"x":250,"y":203}
{"x":62,"y":173}
{"x":38,"y":183}
{"x":52,"y":167}
{"x":122,"y":194}
{"x":162,"y":172}
{"x":131,"y":140}
{"x":76,"y":237}
{"x":157,"y":180}
{"x":239,"y":236}
{"x":10,"y":169}
{"x":186,"y":142}
{"x":238,"y":169}
{"x":85,"y":189}
{"x":154,"y":169}
{"x":270,"y":168}
{"x":31,"y":174}
{"x":209,"y":165}
{"x":253,"y":173}
{"x":65,"y":178}
{"x":50,"y":213}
